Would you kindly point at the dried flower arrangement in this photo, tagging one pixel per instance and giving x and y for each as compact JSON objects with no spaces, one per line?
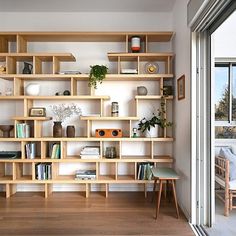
{"x":62,"y":111}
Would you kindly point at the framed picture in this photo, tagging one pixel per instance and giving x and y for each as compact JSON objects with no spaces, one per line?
{"x":37,"y":112}
{"x":181,"y":87}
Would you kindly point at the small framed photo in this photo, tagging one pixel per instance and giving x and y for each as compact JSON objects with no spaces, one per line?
{"x":181,"y":87}
{"x":37,"y":112}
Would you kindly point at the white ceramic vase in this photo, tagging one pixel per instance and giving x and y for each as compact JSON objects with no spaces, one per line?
{"x":32,"y":89}
{"x":152,"y":133}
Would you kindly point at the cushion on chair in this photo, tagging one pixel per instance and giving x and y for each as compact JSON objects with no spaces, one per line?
{"x":226,"y":153}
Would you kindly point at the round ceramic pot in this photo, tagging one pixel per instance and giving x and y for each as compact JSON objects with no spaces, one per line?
{"x":152,"y":133}
{"x":141,"y":90}
{"x":32,"y":89}
{"x":70,"y":131}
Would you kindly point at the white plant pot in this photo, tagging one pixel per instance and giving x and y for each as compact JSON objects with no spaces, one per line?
{"x":152,"y":133}
{"x":32,"y":89}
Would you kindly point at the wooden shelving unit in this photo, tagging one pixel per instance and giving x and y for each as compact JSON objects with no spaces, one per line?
{"x":12,"y":171}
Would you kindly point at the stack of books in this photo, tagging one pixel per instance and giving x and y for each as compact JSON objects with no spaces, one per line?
{"x":30,"y":150}
{"x":43,"y":171}
{"x":144,"y":170}
{"x":90,"y":152}
{"x":85,"y":175}
{"x":54,"y":151}
{"x":23,"y":130}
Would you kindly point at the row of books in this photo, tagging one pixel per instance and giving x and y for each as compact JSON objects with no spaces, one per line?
{"x":85,"y":175}
{"x":90,"y":152}
{"x":23,"y":130}
{"x":144,"y":170}
{"x":43,"y":171}
{"x":54,"y":150}
{"x":30,"y":150}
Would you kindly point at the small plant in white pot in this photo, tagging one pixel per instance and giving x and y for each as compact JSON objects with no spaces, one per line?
{"x":149,"y":126}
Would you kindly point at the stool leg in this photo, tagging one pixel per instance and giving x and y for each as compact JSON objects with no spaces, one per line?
{"x":159,"y":199}
{"x":154,"y":189}
{"x":175,"y":198}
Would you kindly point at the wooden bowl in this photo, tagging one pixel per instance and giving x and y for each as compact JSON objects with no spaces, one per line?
{"x":6,"y":129}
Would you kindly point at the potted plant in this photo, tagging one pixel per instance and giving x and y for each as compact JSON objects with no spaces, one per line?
{"x":150,"y":126}
{"x":97,"y":74}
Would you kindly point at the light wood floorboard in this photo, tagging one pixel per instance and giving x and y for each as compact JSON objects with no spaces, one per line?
{"x":126,"y":213}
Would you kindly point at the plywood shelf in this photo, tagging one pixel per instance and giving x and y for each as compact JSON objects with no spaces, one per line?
{"x":141,"y":56}
{"x":77,"y":139}
{"x":164,"y":36}
{"x":154,"y":97}
{"x":84,"y":77}
{"x":41,"y":56}
{"x":47,"y":67}
{"x":31,"y":118}
{"x":108,"y":118}
{"x":82,"y":97}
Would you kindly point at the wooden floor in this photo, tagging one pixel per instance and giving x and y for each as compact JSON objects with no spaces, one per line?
{"x":72,"y":214}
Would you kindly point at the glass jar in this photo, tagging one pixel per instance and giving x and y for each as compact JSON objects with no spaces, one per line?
{"x":110,"y":152}
{"x":114,"y":109}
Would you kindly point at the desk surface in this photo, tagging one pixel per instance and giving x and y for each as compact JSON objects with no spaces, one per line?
{"x":164,"y":173}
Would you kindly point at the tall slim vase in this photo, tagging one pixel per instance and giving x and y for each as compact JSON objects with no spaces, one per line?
{"x":57,"y":129}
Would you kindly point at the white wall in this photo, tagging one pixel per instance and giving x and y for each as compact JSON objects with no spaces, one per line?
{"x":182,"y":107}
{"x":89,"y":21}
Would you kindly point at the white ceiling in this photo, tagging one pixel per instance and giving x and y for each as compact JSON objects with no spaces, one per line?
{"x":86,"y":5}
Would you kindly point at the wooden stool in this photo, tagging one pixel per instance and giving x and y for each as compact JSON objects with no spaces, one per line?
{"x":164,"y":174}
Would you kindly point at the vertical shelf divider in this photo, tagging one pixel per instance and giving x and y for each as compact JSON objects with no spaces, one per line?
{"x":21,"y":44}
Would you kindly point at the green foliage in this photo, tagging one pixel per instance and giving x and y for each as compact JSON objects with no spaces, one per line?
{"x":222,"y":109}
{"x":97,"y":74}
{"x":158,"y":119}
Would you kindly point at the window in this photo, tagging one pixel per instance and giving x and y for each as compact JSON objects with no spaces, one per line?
{"x":225,"y":100}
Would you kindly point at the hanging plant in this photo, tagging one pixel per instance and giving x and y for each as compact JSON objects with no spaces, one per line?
{"x":97,"y":75}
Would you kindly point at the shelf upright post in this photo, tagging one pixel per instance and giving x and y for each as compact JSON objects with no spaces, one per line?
{"x":161,"y":86}
{"x":118,"y":65}
{"x":37,"y":65}
{"x":10,"y":189}
{"x":138,"y":64}
{"x":106,"y":189}
{"x":28,"y":103}
{"x":146,"y":43}
{"x":63,"y":146}
{"x":10,"y":65}
{"x":136,"y":106}
{"x":21,"y":44}
{"x":120,"y":149}
{"x":18,"y":87}
{"x":165,"y":129}
{"x":47,"y":190}
{"x":3,"y":45}
{"x":152,"y":152}
{"x":55,"y":65}
{"x":127,"y":43}
{"x":102,"y":107}
{"x":43,"y":150}
{"x":73,"y":86}
{"x":88,"y":128}
{"x":23,"y":154}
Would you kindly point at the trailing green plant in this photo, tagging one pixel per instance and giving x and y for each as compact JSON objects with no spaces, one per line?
{"x":97,"y":75}
{"x":159,"y":119}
